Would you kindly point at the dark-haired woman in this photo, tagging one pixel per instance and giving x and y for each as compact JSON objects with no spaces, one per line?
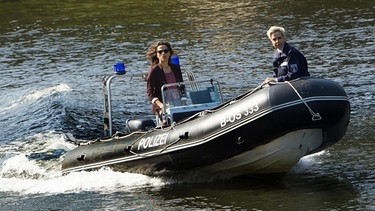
{"x":162,"y":72}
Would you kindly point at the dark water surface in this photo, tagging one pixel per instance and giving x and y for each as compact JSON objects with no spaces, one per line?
{"x":54,"y":54}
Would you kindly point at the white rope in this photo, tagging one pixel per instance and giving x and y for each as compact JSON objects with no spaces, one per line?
{"x":315,"y":116}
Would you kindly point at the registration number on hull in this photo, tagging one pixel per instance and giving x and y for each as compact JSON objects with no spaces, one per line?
{"x":239,"y":114}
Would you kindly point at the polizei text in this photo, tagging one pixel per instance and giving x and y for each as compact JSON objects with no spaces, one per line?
{"x":153,"y":141}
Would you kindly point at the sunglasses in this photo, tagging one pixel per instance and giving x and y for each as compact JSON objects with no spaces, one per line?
{"x":165,"y":51}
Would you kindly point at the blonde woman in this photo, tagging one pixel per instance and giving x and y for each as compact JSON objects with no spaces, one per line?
{"x":288,"y":62}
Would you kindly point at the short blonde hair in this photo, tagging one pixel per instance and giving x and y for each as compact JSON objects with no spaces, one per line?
{"x":275,"y":29}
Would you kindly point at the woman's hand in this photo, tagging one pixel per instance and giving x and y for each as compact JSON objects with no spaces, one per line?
{"x":160,"y":105}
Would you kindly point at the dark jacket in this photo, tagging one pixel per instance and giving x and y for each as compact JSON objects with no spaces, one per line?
{"x":289,"y":64}
{"x":156,"y":79}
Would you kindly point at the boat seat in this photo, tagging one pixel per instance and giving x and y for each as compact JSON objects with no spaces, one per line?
{"x":143,"y":124}
{"x":201,"y":96}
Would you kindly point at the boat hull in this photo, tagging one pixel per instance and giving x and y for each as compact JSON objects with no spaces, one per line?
{"x":277,"y":156}
{"x":262,"y":131}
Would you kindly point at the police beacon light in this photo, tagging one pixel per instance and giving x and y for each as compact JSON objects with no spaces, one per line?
{"x":175,"y":60}
{"x":119,"y":68}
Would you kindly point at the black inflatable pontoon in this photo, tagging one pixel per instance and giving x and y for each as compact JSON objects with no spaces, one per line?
{"x":266,"y":130}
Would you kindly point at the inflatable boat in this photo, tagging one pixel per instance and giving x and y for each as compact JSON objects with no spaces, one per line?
{"x":265,"y":130}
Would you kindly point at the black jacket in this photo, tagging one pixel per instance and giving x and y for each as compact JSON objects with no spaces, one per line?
{"x":156,"y":79}
{"x":289,"y":64}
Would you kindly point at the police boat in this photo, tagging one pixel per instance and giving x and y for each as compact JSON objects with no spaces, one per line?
{"x":265,"y":130}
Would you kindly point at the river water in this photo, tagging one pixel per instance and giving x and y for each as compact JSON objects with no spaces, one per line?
{"x":53,"y":57}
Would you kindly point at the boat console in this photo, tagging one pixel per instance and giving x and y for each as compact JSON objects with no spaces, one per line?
{"x":184,"y":99}
{"x":181,"y":100}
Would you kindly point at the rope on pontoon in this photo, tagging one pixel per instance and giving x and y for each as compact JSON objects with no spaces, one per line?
{"x":315,"y":116}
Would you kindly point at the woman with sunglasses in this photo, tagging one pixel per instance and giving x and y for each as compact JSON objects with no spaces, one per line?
{"x":162,"y":72}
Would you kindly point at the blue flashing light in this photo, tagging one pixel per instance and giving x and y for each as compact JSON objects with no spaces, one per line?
{"x":119,"y":68}
{"x":175,"y":60}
